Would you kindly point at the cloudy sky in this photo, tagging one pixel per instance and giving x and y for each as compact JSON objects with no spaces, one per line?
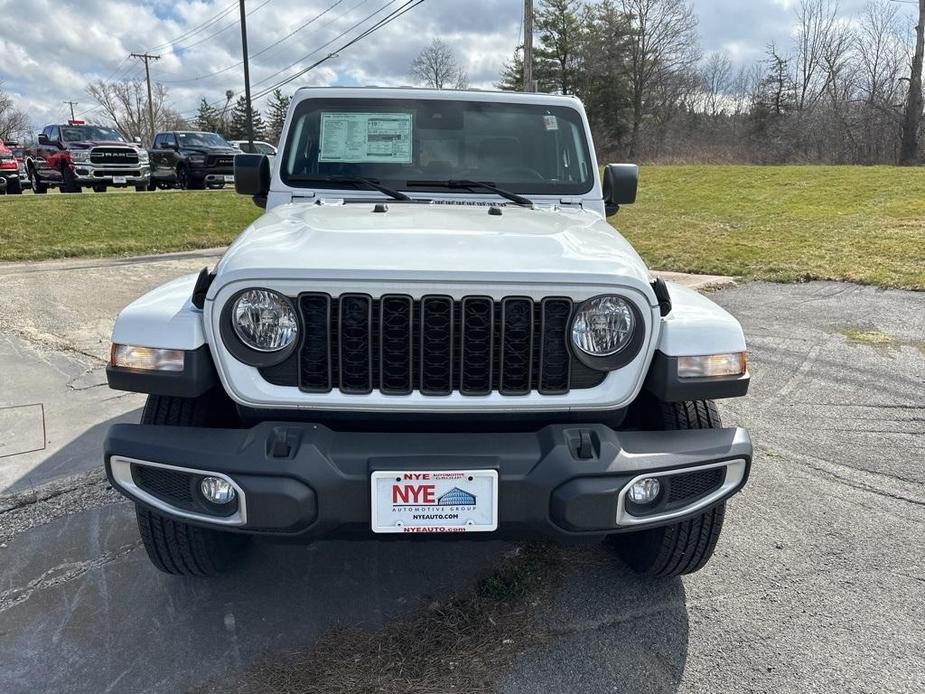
{"x":50,"y":49}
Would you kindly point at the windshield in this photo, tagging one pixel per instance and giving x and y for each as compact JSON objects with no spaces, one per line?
{"x":89,"y":133}
{"x":523,"y":148}
{"x":201,"y":140}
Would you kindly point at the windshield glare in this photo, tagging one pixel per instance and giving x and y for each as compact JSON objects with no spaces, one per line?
{"x":523,"y":148}
{"x":201,"y":140}
{"x":90,"y":133}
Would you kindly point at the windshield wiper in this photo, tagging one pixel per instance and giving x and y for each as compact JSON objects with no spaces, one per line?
{"x":464,"y":184}
{"x":355,"y":180}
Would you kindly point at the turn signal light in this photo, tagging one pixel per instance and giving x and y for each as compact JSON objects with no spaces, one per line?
{"x":713,"y":365}
{"x":147,"y":358}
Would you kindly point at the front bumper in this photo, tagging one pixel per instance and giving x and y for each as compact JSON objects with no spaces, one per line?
{"x":308,"y":481}
{"x":212,"y":174}
{"x":105,"y":174}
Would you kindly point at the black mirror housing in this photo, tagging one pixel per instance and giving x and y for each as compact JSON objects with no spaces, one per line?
{"x":252,"y":176}
{"x":621,"y":181}
{"x":43,"y":139}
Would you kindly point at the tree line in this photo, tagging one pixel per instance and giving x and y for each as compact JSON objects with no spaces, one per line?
{"x":836,"y":91}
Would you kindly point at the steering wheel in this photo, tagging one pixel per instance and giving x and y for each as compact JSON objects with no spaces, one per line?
{"x":520,"y":172}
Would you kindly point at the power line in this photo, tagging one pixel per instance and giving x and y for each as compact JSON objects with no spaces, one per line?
{"x":388,"y":19}
{"x":196,"y":29}
{"x":404,"y":9}
{"x":271,"y":46}
{"x":222,"y":30}
{"x":308,"y":55}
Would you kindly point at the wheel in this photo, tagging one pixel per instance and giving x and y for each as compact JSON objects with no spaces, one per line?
{"x":99,"y":189}
{"x":142,"y":187}
{"x":685,"y":547}
{"x":187,"y":182}
{"x":14,"y":188}
{"x":69,"y":182}
{"x":175,"y":547}
{"x":38,"y":187}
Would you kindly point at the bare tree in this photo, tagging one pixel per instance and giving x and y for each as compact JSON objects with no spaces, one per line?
{"x":816,"y":25}
{"x":436,"y":67}
{"x":717,"y":81}
{"x":664,"y":44}
{"x":13,"y":122}
{"x":126,"y":105}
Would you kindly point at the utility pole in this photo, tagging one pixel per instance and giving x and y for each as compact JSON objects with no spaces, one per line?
{"x":528,"y":45}
{"x":72,"y":104}
{"x":912,"y":118}
{"x":145,"y":57}
{"x":247,"y":77}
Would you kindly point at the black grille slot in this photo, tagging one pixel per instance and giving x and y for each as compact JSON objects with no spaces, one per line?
{"x":555,"y":357}
{"x":315,"y":355}
{"x":113,"y":155}
{"x":356,"y":344}
{"x":436,"y":345}
{"x":692,"y":485}
{"x":165,"y":484}
{"x":516,"y":346}
{"x":476,"y":346}
{"x":395,"y":348}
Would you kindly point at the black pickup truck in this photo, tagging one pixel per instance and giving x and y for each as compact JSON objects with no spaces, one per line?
{"x":191,"y":160}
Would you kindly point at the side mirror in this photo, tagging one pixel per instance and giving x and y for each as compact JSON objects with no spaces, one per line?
{"x":252,"y":176}
{"x":620,"y":184}
{"x":136,"y":140}
{"x":43,"y":140}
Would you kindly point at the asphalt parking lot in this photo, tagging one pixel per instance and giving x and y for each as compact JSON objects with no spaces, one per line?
{"x":818,"y":583}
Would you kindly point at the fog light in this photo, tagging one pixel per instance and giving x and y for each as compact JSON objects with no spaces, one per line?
{"x":645,"y":491}
{"x":217,"y":490}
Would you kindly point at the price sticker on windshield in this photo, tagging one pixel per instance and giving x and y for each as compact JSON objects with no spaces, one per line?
{"x":359,"y":138}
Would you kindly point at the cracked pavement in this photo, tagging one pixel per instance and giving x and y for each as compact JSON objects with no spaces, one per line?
{"x":818,"y":583}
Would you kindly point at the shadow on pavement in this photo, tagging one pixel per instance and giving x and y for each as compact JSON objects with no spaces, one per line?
{"x":79,"y":455}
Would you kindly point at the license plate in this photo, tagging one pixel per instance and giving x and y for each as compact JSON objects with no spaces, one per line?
{"x":119,"y":179}
{"x":434,"y":501}
{"x":229,"y":179}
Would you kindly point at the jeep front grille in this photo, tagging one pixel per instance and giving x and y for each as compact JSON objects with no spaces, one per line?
{"x":113,"y":155}
{"x":436,"y":345}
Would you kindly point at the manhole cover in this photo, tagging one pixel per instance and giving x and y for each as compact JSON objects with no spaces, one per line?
{"x":22,"y":429}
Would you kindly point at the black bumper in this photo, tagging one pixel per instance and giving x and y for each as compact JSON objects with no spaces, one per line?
{"x":308,"y":481}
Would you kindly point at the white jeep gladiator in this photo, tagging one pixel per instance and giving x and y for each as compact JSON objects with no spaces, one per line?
{"x":432,"y":329}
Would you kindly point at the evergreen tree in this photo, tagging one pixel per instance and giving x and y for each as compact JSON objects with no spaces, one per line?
{"x":237,"y":128}
{"x":208,"y":118}
{"x":557,"y":58}
{"x":512,"y":74}
{"x":276,"y":115}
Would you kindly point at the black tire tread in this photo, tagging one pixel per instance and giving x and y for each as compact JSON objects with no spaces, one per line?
{"x":175,"y":547}
{"x":684,"y":547}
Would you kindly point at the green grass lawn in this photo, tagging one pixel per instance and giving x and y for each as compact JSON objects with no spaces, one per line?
{"x":777,"y":223}
{"x":861,"y":224}
{"x":36,"y":227}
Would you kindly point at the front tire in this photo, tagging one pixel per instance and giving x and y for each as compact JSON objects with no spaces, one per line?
{"x":175,"y":547}
{"x":684,"y":547}
{"x":38,"y":187}
{"x":99,"y":189}
{"x":14,"y":188}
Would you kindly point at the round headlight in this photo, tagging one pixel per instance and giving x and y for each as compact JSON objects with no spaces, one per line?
{"x":264,"y":320}
{"x":603,"y":326}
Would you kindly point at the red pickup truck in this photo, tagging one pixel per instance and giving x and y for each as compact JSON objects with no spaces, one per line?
{"x":76,"y":156}
{"x":9,"y":171}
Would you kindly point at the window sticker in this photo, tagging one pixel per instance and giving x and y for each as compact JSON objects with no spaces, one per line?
{"x":551,"y":122}
{"x":365,"y":137}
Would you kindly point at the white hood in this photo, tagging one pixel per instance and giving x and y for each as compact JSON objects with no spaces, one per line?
{"x":432,"y":242}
